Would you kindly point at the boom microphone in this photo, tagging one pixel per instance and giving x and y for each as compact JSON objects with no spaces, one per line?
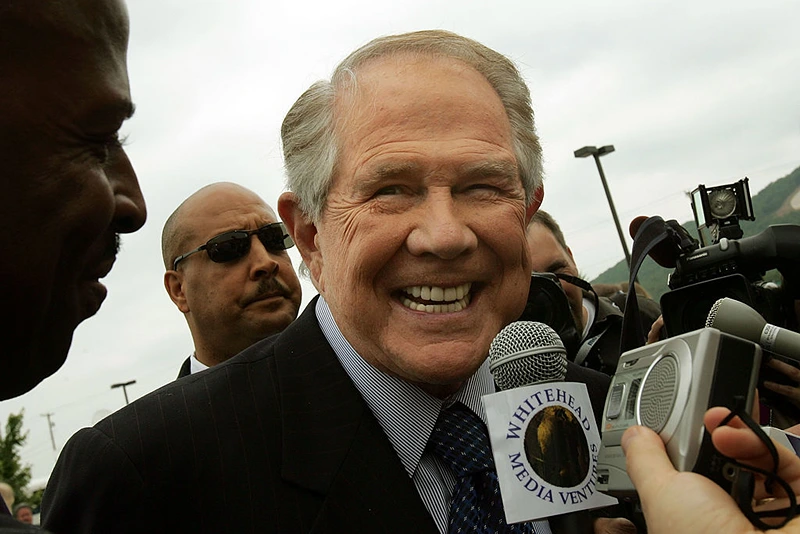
{"x":739,"y":319}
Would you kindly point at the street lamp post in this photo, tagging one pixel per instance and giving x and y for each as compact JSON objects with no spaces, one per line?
{"x":596,"y":153}
{"x":123,"y":385}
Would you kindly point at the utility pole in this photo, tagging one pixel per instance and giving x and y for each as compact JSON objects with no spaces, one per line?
{"x":50,"y":425}
{"x":596,"y":153}
{"x":124,"y":385}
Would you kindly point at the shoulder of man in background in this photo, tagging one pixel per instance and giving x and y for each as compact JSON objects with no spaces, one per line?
{"x":607,"y":324}
{"x":649,"y":309}
{"x":9,"y":525}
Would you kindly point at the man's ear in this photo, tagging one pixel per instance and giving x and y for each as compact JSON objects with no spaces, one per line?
{"x":536,"y":203}
{"x":304,"y":233}
{"x":173,"y":282}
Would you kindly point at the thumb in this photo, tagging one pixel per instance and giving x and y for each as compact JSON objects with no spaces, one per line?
{"x":647,"y":462}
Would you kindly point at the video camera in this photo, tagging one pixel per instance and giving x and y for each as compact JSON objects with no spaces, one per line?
{"x":727,"y":265}
{"x":667,"y":386}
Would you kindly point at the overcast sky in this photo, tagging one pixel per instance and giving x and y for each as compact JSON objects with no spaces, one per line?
{"x":688,"y":92}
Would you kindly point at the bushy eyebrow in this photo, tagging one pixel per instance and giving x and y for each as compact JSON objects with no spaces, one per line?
{"x":505,"y":171}
{"x":494,"y":169}
{"x":393,"y":170}
{"x":491,"y":169}
{"x":385,"y":172}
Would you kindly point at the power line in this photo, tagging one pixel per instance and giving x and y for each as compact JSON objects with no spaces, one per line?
{"x":50,"y":425}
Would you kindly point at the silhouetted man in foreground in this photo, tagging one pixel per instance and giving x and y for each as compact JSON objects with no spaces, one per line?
{"x":68,"y":187}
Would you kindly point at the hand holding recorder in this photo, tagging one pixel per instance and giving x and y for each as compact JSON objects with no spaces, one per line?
{"x":686,"y":502}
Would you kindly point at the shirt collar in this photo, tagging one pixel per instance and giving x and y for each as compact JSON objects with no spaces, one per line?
{"x":405,"y":412}
{"x":195,"y":365}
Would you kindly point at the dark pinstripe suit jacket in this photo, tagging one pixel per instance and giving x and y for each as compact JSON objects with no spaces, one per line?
{"x":276,"y":439}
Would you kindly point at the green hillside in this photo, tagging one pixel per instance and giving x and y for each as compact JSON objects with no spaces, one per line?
{"x":770,"y":206}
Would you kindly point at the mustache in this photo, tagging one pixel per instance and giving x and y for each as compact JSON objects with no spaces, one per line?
{"x":267,"y":287}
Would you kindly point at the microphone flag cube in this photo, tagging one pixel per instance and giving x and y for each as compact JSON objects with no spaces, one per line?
{"x":545,"y":444}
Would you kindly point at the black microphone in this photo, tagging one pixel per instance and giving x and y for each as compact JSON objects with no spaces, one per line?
{"x":739,"y":319}
{"x":667,"y":252}
{"x":525,"y":353}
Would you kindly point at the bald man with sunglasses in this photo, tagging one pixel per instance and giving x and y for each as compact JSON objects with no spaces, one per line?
{"x":228,"y":272}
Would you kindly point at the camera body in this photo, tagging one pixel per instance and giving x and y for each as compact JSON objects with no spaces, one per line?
{"x":668,"y":386}
{"x":728,"y":265}
{"x":547,"y":303}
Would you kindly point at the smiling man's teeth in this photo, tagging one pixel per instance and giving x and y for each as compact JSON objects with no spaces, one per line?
{"x":438,"y":299}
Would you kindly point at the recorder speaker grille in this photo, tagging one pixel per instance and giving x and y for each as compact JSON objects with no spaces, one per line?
{"x":658,"y":393}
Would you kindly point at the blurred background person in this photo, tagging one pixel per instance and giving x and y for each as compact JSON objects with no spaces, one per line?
{"x":228,"y":272}
{"x":23,"y":512}
{"x":595,"y":339}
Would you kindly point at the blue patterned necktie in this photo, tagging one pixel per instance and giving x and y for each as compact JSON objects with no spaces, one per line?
{"x":460,"y":439}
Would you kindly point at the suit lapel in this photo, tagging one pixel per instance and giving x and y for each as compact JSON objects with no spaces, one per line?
{"x":186,"y":368}
{"x":332,"y":443}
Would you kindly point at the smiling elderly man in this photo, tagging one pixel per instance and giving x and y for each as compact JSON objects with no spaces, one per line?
{"x":412,"y":176}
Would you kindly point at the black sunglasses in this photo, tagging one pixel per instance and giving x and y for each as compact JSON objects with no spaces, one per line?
{"x":233,"y":245}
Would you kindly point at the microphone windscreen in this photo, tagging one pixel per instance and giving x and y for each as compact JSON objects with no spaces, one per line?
{"x":635,"y":224}
{"x":712,"y":314}
{"x":736,"y":318}
{"x":526,"y":353}
{"x":664,"y":253}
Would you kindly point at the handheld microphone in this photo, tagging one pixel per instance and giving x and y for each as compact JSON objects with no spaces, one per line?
{"x":739,"y":319}
{"x":525,"y":353}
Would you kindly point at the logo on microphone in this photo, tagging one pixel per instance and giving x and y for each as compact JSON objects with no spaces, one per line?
{"x":545,"y":443}
{"x":556,"y":447}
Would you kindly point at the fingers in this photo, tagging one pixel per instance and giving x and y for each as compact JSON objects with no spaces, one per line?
{"x":736,"y":440}
{"x":791,"y":393}
{"x":664,"y":492}
{"x":789,"y":370}
{"x":739,"y":442}
{"x":616,"y":525}
{"x":655,"y":331}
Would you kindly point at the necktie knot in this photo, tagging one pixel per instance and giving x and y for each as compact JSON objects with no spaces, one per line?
{"x":460,"y":439}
